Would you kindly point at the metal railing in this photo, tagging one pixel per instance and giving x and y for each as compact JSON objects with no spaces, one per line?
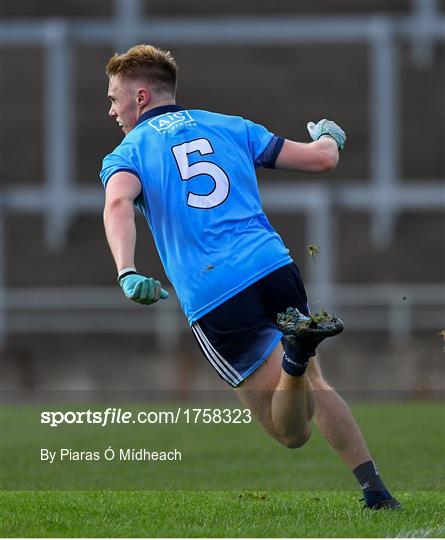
{"x":61,"y":199}
{"x":392,"y":308}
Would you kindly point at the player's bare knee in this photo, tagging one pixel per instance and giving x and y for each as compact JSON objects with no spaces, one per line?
{"x":296,"y":440}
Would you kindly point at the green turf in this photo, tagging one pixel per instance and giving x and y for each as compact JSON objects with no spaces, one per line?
{"x":318,"y":496}
{"x":222,"y":514}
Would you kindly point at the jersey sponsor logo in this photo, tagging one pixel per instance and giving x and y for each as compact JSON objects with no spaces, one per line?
{"x":170,"y":121}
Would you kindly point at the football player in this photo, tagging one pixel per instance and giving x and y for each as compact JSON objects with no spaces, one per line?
{"x":192,"y":175}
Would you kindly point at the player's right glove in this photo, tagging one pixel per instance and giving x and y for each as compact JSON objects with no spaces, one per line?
{"x":141,"y":289}
{"x":327,"y":127}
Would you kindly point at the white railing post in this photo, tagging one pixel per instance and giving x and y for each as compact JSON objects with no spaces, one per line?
{"x":319,"y":231}
{"x":425,"y":13}
{"x":383,"y":129}
{"x":60,"y":152}
{"x":127,"y":15}
{"x":399,"y":319}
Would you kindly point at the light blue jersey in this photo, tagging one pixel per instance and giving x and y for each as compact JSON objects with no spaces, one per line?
{"x":200,"y":198}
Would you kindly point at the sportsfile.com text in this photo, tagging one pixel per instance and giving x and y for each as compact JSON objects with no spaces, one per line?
{"x":113,"y":415}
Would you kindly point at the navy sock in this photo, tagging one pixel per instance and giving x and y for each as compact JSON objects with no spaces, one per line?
{"x":296,"y":358}
{"x":371,"y":483}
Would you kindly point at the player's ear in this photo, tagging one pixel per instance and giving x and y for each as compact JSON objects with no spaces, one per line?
{"x":143,"y":97}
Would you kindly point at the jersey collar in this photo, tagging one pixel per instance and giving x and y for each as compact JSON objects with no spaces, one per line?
{"x":157,"y":111}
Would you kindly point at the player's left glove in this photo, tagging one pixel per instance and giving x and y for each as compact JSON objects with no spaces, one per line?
{"x":327,"y":127}
{"x":141,"y":289}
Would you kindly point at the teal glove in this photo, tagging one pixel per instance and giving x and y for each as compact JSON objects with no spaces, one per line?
{"x":327,"y":127}
{"x":141,"y":289}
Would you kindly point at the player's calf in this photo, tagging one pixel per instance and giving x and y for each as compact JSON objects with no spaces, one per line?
{"x":292,"y":409}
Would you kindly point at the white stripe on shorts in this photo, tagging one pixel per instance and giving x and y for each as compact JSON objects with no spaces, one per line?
{"x":227,"y":377}
{"x":221,"y":365}
{"x":218,"y":356}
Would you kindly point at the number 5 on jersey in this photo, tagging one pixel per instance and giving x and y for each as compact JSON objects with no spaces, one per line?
{"x":221,"y":188}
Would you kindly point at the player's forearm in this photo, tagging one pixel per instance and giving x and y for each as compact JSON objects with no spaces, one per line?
{"x":120,"y":230}
{"x":328,"y":149}
{"x":315,"y":157}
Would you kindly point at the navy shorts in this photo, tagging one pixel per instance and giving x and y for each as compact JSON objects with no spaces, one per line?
{"x":238,"y":336}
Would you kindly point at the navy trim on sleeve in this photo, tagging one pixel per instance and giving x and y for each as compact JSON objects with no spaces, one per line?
{"x":124,"y":169}
{"x":269,"y":157}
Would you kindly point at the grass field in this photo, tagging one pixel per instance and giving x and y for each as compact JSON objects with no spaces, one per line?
{"x":216,"y":513}
{"x":319,"y":497}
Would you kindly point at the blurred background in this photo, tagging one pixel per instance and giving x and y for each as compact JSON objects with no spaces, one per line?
{"x":375,"y":67}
